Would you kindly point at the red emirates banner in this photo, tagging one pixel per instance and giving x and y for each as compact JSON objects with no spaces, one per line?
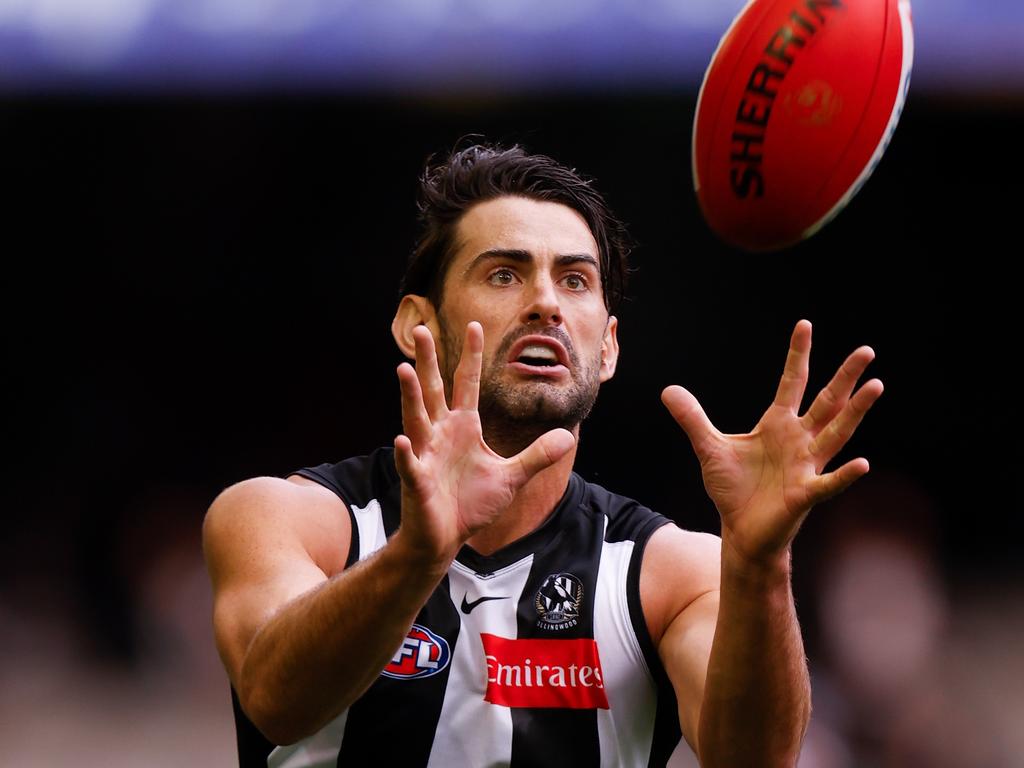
{"x":544,"y":673}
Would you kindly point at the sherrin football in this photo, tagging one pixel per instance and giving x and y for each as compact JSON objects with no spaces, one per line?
{"x":796,"y":109}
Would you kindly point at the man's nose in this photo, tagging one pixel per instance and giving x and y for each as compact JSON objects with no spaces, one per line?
{"x":543,"y":306}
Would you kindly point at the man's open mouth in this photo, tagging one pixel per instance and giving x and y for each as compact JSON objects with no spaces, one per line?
{"x":540,"y":352}
{"x":538,"y":355}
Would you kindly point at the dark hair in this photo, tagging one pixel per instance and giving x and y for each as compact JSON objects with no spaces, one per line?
{"x":484,"y":171}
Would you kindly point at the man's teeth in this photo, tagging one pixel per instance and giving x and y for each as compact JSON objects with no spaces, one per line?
{"x":540,"y":353}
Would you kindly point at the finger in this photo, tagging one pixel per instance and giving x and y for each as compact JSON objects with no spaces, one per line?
{"x":837,"y":432}
{"x":546,"y":450}
{"x":687,"y":412}
{"x":415,"y":422}
{"x":794,"y":374}
{"x":466,"y":387}
{"x":429,"y":375}
{"x":406,"y":462}
{"x":833,"y":397}
{"x":833,"y":483}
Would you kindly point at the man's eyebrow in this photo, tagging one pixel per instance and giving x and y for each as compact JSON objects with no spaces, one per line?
{"x":577,"y":258}
{"x":525,"y":257}
{"x":500,"y":254}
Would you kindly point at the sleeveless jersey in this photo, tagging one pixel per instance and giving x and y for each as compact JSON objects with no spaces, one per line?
{"x":536,"y":655}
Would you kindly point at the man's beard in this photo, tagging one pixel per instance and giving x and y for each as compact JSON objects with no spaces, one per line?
{"x":514,"y":414}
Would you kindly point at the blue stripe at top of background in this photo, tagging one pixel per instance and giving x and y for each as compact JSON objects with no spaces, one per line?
{"x":438,"y":45}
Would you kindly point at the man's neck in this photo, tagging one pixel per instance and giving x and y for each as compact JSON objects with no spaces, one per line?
{"x":530,"y":507}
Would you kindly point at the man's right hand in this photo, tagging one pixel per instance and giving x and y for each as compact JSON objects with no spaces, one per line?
{"x":453,"y":484}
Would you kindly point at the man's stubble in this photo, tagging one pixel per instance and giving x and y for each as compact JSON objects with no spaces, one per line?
{"x":514,"y":414}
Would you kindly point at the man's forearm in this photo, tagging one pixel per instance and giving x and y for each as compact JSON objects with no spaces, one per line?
{"x":757,"y":698}
{"x":321,"y":651}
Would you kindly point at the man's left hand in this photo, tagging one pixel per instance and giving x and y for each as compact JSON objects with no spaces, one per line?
{"x":765,"y":482}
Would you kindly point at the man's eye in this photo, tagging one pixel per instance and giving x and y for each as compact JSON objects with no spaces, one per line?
{"x":575,"y":282}
{"x":502,"y":277}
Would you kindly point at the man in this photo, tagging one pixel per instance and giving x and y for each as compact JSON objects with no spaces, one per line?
{"x":502,"y":610}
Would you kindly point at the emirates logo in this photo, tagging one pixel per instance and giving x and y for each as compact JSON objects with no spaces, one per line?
{"x":545,"y":673}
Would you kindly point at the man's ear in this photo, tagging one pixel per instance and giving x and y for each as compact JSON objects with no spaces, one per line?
{"x":610,"y":349}
{"x":412,"y":311}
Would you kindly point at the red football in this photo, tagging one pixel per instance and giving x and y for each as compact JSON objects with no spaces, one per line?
{"x":796,"y":109}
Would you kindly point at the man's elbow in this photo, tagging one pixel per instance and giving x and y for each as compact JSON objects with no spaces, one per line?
{"x":281,"y":712}
{"x":275,"y":721}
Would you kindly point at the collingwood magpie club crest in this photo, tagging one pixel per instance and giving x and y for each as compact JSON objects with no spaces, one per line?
{"x":559,"y":600}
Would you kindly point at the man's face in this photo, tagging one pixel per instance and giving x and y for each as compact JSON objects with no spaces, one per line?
{"x":529,"y":272}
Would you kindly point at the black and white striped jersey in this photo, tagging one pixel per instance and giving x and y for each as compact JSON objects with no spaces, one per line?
{"x":537,"y":655}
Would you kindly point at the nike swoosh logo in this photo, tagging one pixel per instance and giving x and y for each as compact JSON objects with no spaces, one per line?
{"x":468,"y":606}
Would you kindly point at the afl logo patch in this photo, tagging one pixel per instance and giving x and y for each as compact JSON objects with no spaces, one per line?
{"x":422,"y":654}
{"x":558,"y":601}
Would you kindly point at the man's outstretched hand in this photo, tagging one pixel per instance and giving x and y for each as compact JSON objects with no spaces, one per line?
{"x":453,"y":485}
{"x":765,"y":482}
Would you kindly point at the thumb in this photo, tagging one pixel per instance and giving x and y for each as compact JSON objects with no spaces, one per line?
{"x":691,"y":417}
{"x":540,"y":454}
{"x":406,"y":461}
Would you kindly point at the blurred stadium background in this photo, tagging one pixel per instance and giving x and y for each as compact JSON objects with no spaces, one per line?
{"x":206,"y":208}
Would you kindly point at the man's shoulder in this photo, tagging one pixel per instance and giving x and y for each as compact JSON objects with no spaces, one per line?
{"x":279,"y":518}
{"x":679,"y":567}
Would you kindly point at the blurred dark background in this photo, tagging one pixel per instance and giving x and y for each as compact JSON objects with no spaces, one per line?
{"x":199,"y":282}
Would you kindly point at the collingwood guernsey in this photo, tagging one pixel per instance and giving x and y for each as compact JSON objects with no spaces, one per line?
{"x":537,"y":655}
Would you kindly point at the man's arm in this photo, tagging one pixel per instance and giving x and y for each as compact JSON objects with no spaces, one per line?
{"x":731,"y":646}
{"x":755,"y":694}
{"x":292,"y":627}
{"x":302,"y":638}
